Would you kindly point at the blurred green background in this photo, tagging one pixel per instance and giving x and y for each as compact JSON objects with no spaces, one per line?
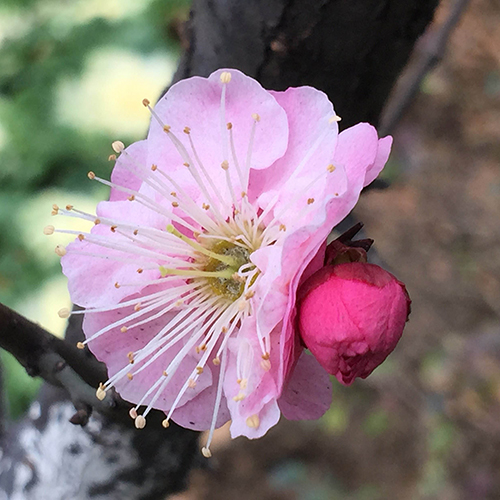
{"x":72,"y":78}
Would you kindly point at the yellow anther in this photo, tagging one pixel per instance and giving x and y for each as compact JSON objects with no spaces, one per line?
{"x":229,"y":125}
{"x":140,"y":422}
{"x":91,"y":175}
{"x":145,"y":103}
{"x":334,"y":118}
{"x":187,"y":130}
{"x":225,"y":77}
{"x":224,"y":165}
{"x":131,"y":198}
{"x":199,"y":370}
{"x":64,"y":313}
{"x":166,"y":128}
{"x":80,"y":345}
{"x":266,"y":355}
{"x":48,"y":230}
{"x":117,"y":285}
{"x":164,"y":373}
{"x":130,"y":376}
{"x":97,"y":221}
{"x":100,"y":392}
{"x":111,"y":157}
{"x":282,"y":227}
{"x":206,"y":452}
{"x":60,"y":250}
{"x":69,"y":207}
{"x":191,"y":383}
{"x":165,"y":423}
{"x":330,"y":168}
{"x":118,"y":146}
{"x":123,"y":329}
{"x":216,"y":361}
{"x":256,"y":117}
{"x":81,"y":237}
{"x":133,"y":413}
{"x":175,"y":204}
{"x":265,"y":365}
{"x":310,"y":201}
{"x":154,"y":167}
{"x":253,"y":421}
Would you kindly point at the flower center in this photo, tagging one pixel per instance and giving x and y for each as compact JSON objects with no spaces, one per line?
{"x":233,"y":287}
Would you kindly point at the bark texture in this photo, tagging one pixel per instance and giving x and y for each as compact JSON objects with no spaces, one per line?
{"x":353,"y":50}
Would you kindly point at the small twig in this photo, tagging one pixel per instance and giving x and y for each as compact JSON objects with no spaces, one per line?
{"x":62,"y":364}
{"x":431,"y":55}
{"x":30,"y":344}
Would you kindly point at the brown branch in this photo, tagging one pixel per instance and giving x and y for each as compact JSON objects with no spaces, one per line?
{"x":433,"y":50}
{"x":55,"y":360}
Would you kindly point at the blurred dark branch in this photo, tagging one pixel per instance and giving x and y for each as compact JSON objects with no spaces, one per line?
{"x":432,"y":51}
{"x":45,"y":355}
{"x":3,"y":402}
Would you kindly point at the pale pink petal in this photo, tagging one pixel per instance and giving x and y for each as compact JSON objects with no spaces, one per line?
{"x":197,"y":414}
{"x":113,"y":347}
{"x":383,"y":152}
{"x":308,"y":392}
{"x":312,"y":141}
{"x":98,"y":288}
{"x":267,"y":418}
{"x":131,"y":161}
{"x":196,"y":103}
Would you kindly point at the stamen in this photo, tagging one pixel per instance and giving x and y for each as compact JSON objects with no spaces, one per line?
{"x":118,"y":146}
{"x":140,"y":422}
{"x":223,"y":258}
{"x":253,"y":421}
{"x":64,"y":313}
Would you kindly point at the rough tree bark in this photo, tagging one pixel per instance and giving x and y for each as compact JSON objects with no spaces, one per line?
{"x":353,"y":50}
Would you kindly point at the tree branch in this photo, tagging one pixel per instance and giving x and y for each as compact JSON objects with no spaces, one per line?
{"x":434,"y":45}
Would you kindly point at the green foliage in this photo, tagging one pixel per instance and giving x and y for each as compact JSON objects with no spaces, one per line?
{"x":45,"y":44}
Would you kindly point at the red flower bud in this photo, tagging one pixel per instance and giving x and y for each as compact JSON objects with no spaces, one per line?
{"x":351,"y":317}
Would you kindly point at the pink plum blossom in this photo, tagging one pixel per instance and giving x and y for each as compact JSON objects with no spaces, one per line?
{"x":189,"y":275}
{"x":351,"y":316}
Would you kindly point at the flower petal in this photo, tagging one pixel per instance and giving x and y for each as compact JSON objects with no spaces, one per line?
{"x":308,"y":393}
{"x":196,"y":103}
{"x":98,"y":288}
{"x":113,"y":348}
{"x":132,"y":160}
{"x":197,"y":414}
{"x":267,"y":418}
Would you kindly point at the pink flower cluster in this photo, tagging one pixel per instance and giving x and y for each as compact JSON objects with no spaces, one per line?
{"x":189,"y":276}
